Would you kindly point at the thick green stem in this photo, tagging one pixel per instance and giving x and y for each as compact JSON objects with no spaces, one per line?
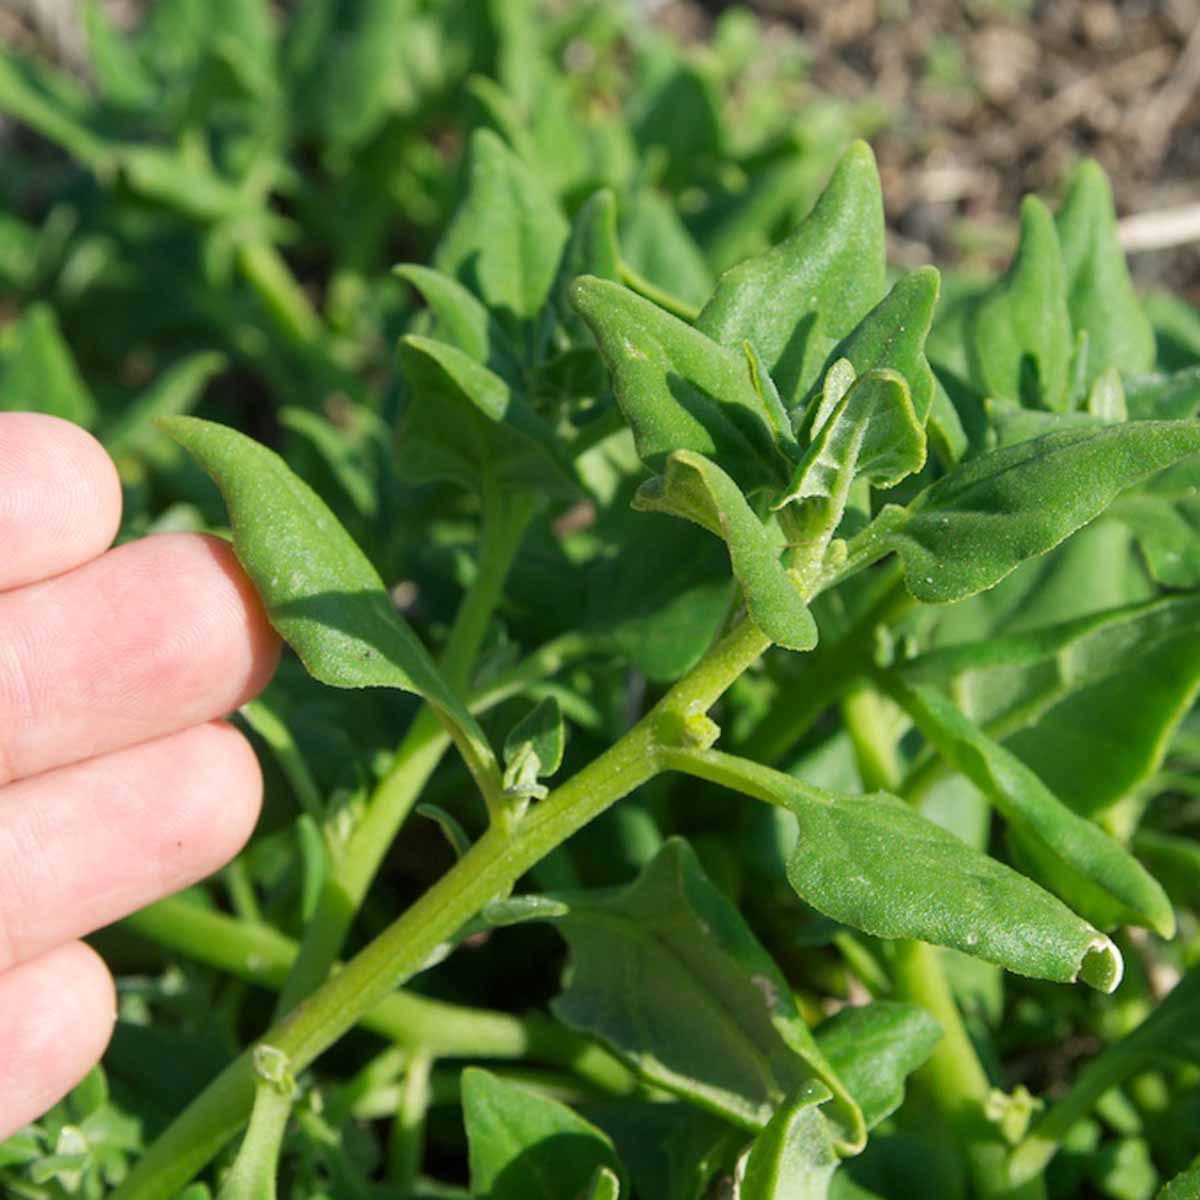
{"x":253,"y":1174}
{"x":874,"y":748}
{"x":259,"y":954}
{"x":489,"y":870}
{"x":953,"y":1072}
{"x":953,"y":1077}
{"x":505,"y":519}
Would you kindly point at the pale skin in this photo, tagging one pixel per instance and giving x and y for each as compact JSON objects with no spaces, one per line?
{"x":119,"y":782}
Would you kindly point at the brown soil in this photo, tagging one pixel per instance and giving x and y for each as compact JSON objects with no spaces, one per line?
{"x":990,"y":99}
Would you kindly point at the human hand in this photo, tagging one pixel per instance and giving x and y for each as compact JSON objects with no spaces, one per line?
{"x":117,"y":786}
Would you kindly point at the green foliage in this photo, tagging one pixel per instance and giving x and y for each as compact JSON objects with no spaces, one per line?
{"x":636,"y":445}
{"x":667,"y":972}
{"x":1082,"y":859}
{"x":974,"y":526}
{"x":320,"y":591}
{"x":527,"y":1147}
{"x":697,"y":490}
{"x":822,"y":280}
{"x":792,"y":1157}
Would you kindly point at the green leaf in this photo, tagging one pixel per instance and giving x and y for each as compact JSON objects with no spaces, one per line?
{"x":1165,"y":519}
{"x":523,"y":1146}
{"x":507,"y":235}
{"x":798,"y":300}
{"x":192,"y":190}
{"x":1096,"y":747}
{"x":657,"y":244}
{"x":1185,"y":1185}
{"x":1074,"y":846}
{"x":667,"y":972}
{"x":679,"y":111}
{"x":534,"y":749}
{"x":663,"y":596}
{"x":120,"y":77}
{"x":1020,"y":340}
{"x":459,"y":317}
{"x":24,"y":99}
{"x":1100,"y":293}
{"x":972,"y":527}
{"x":793,"y":1158}
{"x":672,"y":1150}
{"x":874,"y":863}
{"x":863,"y":428}
{"x":1005,"y":682}
{"x":465,"y":424}
{"x":874,"y":1049}
{"x":604,"y":1186}
{"x":892,"y":336}
{"x":321,"y":593}
{"x":591,"y":249}
{"x":1164,"y":397}
{"x":40,"y":374}
{"x":678,"y":389}
{"x":699,"y":491}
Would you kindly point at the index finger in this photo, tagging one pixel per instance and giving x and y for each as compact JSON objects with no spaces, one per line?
{"x":60,"y":498}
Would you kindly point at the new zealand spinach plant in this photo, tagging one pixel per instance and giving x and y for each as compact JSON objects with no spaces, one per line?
{"x":820,"y":671}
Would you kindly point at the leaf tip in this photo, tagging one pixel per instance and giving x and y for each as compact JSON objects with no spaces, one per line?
{"x":859,"y":154}
{"x":584,"y":292}
{"x":1162,"y":921}
{"x":1102,"y":967}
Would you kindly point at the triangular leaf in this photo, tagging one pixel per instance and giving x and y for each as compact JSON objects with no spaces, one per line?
{"x":1020,"y":339}
{"x":464,"y":423}
{"x":668,"y":973}
{"x":800,"y":298}
{"x":678,"y":389}
{"x":892,"y":335}
{"x":460,"y":318}
{"x":870,"y":430}
{"x":1100,"y":293}
{"x":523,"y":1146}
{"x":507,"y":235}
